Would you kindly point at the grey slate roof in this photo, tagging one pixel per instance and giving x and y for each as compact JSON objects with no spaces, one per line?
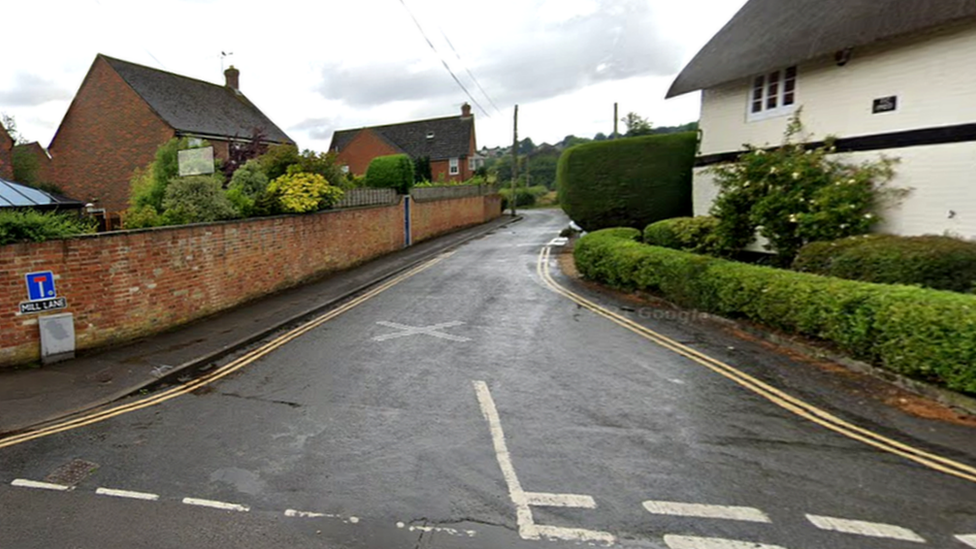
{"x":15,"y":195}
{"x":194,"y":106}
{"x":452,"y":137}
{"x":771,"y":34}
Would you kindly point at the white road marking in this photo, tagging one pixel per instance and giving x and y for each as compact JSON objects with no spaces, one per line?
{"x":559,"y":241}
{"x":725,"y":512}
{"x":969,"y":540}
{"x":439,"y":529}
{"x":528,"y":529}
{"x":691,"y":542}
{"x":305,"y":514}
{"x":862,"y":528}
{"x":24,"y":483}
{"x":127,"y":494}
{"x":542,"y":499}
{"x":217,"y":505}
{"x":434,"y":331}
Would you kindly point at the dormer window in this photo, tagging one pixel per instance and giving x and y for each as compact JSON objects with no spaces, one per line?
{"x":772,"y":94}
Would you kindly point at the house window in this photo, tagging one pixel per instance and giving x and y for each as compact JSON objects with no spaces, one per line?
{"x":471,"y":166}
{"x":773,"y":94}
{"x":454,"y":167}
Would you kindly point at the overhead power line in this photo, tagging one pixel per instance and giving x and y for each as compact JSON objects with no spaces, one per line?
{"x":473,"y":79}
{"x":443,"y":62}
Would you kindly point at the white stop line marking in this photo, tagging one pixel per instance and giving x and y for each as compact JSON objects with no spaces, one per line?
{"x":862,"y":528}
{"x":523,"y":500}
{"x":434,"y":331}
{"x":726,"y":512}
{"x":969,"y":540}
{"x":691,"y":542}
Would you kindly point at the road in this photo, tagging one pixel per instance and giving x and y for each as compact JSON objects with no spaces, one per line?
{"x":469,"y":404}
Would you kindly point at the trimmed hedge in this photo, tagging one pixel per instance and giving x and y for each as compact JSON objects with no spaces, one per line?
{"x":395,"y":171}
{"x":627,"y":182}
{"x":691,"y":234}
{"x":938,"y":262}
{"x":35,"y":226}
{"x":922,"y":333}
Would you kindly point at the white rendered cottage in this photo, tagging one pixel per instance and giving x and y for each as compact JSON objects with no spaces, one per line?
{"x":896,"y":77}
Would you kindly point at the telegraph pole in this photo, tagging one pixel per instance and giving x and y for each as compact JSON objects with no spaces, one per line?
{"x":514,"y":161}
{"x":616,"y":118}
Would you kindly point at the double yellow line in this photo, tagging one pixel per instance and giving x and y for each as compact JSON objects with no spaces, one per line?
{"x":221,"y":372}
{"x":803,"y":409}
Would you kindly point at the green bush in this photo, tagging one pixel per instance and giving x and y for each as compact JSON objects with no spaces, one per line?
{"x":304,"y":192}
{"x":34,"y":226}
{"x":691,"y":234}
{"x":391,"y":172}
{"x":923,"y":333}
{"x":149,"y":184}
{"x":939,"y":262}
{"x":627,"y":182}
{"x":196,"y":199}
{"x":525,"y":196}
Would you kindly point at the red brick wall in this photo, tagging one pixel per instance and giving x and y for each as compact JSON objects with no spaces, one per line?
{"x":6,"y":162}
{"x":121,"y":286}
{"x":363,"y":149}
{"x":430,"y":219}
{"x":107,"y":133}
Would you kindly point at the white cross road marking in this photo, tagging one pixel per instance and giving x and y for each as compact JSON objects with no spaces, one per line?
{"x":691,"y":542}
{"x":969,"y":540}
{"x":24,"y":483}
{"x":726,"y":512}
{"x":862,"y":528}
{"x":523,"y":500}
{"x":418,"y":330}
{"x":217,"y":505}
{"x":127,"y":494}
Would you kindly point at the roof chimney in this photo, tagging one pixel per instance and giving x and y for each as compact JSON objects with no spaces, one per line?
{"x":233,"y":78}
{"x":465,"y":111}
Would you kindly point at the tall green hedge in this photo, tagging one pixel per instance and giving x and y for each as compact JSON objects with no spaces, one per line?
{"x":391,"y":172}
{"x":923,"y":333}
{"x":629,"y":182}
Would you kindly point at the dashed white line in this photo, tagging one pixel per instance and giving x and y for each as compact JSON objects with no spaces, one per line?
{"x":304,"y":514}
{"x":969,"y":540}
{"x":217,"y":505}
{"x":528,"y":529}
{"x":439,"y":529}
{"x":127,"y":494}
{"x":24,"y":483}
{"x":862,"y":528}
{"x":691,"y":542}
{"x":725,"y":512}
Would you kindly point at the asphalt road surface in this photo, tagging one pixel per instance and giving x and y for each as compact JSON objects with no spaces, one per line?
{"x":471,"y":405}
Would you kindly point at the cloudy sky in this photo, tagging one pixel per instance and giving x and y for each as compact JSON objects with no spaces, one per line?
{"x":318,"y":66}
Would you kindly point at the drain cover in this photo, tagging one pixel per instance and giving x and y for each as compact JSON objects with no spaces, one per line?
{"x":71,"y":473}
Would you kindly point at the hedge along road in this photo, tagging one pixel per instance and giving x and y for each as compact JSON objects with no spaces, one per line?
{"x":470,"y":396}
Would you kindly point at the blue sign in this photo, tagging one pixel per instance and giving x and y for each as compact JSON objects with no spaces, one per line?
{"x":40,"y":286}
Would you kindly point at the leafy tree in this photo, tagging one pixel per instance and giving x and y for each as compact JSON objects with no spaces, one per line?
{"x":542,"y":170}
{"x":637,"y":125}
{"x":600,"y":137}
{"x":526,"y":146}
{"x":10,"y":124}
{"x":421,"y":169}
{"x":241,"y":152}
{"x":149,"y":183}
{"x":275,"y":161}
{"x":196,"y":199}
{"x":796,"y":194}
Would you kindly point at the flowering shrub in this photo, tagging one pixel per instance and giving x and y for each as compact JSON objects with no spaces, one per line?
{"x":300,"y":192}
{"x":796,"y":194}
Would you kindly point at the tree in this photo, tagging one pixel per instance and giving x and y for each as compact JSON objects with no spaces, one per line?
{"x":10,"y":125}
{"x":526,"y":146}
{"x":600,"y":137}
{"x":637,"y":125}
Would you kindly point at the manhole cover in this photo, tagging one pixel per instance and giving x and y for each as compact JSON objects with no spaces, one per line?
{"x":71,"y":473}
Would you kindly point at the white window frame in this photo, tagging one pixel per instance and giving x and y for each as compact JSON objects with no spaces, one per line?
{"x":454,"y":166}
{"x":773,"y":93}
{"x":471,"y":166}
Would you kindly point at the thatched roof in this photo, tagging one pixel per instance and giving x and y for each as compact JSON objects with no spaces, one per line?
{"x":771,"y":34}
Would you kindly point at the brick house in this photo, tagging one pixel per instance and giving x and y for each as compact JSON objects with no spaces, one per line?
{"x":123,"y":112}
{"x":890,"y":77}
{"x":6,"y":155}
{"x":448,"y":142}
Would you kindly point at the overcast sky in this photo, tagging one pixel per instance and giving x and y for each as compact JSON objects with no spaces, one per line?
{"x":319,"y":66}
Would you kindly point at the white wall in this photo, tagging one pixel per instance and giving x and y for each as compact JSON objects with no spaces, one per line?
{"x":934,"y":77}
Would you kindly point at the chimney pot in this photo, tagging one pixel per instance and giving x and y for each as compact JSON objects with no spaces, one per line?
{"x":465,"y":111}
{"x":232,"y":76}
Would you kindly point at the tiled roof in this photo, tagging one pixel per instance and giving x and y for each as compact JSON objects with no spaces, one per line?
{"x":194,"y":106}
{"x":451,"y":137}
{"x":771,"y":34}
